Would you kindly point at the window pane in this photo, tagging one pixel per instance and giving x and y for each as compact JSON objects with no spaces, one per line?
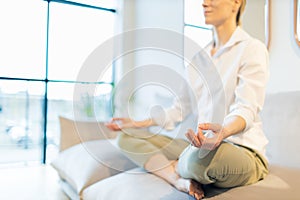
{"x":21,"y":105}
{"x":193,"y":13}
{"x":75,"y":32}
{"x":99,"y":3}
{"x":200,"y":36}
{"x":75,"y":101}
{"x":23,"y":38}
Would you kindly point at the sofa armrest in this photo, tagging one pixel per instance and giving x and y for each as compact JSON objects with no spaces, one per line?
{"x":73,"y":132}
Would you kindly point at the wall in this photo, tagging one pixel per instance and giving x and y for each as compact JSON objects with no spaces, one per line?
{"x":168,"y":14}
{"x":254,"y":24}
{"x":284,"y":53}
{"x":144,"y":18}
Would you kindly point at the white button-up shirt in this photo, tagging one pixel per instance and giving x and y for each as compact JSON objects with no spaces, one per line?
{"x":231,"y":82}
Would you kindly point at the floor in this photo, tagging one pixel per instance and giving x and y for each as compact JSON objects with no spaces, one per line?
{"x":30,"y":183}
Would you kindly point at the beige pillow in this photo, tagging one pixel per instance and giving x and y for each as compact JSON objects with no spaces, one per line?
{"x":89,"y":162}
{"x":73,"y":132}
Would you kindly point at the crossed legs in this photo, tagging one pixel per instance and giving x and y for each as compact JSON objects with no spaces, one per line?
{"x":227,"y":166}
{"x":157,"y":154}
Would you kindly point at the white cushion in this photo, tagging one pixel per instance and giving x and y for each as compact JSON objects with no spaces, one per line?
{"x":135,"y":184}
{"x":89,"y":162}
{"x":281,"y":183}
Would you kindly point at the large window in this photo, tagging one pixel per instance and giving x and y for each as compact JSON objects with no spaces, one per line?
{"x":43,"y":47}
{"x":195,"y":27}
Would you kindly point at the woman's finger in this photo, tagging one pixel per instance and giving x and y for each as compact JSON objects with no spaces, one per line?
{"x":117,"y":119}
{"x":113,"y":126}
{"x":210,"y":126}
{"x":188,"y":137}
{"x":193,"y":138}
{"x":200,"y":135}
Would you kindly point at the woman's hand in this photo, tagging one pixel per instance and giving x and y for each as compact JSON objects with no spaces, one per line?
{"x":208,"y":141}
{"x":118,"y":123}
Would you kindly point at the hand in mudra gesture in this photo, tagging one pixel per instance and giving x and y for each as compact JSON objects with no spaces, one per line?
{"x":208,"y":141}
{"x":119,"y":123}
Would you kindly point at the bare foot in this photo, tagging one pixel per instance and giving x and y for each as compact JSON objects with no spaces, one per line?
{"x":196,"y":190}
{"x":189,"y":186}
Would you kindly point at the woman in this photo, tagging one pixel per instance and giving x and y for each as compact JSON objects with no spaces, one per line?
{"x":235,"y":155}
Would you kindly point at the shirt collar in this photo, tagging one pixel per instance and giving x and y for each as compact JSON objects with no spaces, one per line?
{"x":238,"y":35}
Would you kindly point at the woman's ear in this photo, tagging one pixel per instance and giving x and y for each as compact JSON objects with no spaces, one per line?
{"x":237,"y":1}
{"x":237,"y":5}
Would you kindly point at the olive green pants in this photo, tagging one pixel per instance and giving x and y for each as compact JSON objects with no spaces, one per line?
{"x":227,"y":166}
{"x":139,"y":145}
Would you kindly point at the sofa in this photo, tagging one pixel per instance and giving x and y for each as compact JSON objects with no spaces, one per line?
{"x":91,"y":167}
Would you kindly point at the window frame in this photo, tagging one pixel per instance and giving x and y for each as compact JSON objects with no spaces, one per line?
{"x":296,"y":22}
{"x":46,"y":81}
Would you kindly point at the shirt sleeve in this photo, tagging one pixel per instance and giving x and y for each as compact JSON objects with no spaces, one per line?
{"x":170,"y":117}
{"x":251,"y":83}
{"x":180,"y":109}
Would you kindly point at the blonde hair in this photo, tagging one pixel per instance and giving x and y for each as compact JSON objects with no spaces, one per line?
{"x":240,"y":12}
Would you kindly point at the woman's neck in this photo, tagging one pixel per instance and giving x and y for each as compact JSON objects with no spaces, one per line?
{"x":222,"y":34}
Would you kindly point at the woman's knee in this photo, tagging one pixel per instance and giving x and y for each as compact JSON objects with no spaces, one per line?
{"x":231,"y":167}
{"x":186,"y":169}
{"x":132,"y":144}
{"x":191,"y":165}
{"x":123,"y":140}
